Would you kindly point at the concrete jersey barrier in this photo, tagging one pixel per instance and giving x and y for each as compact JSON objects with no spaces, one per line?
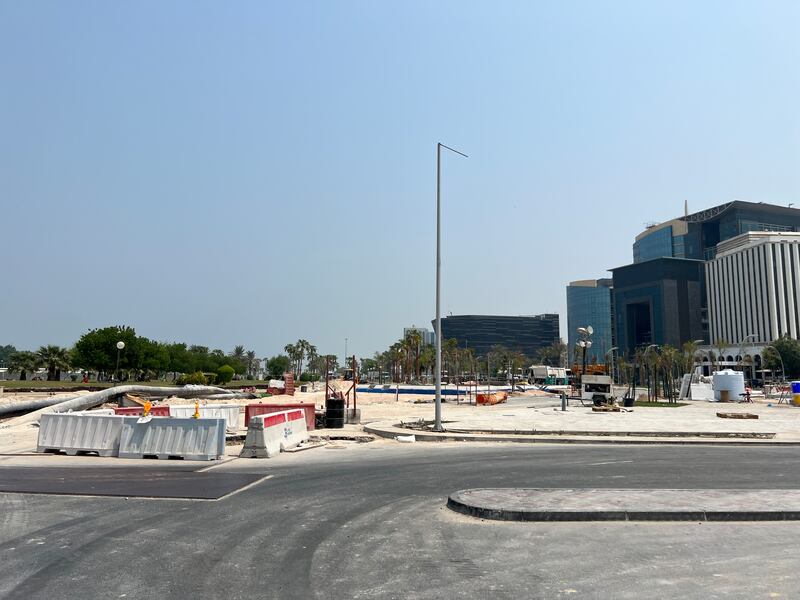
{"x":268,"y":435}
{"x":80,"y":432}
{"x":263,"y":408}
{"x":229,"y":412}
{"x":169,"y":437}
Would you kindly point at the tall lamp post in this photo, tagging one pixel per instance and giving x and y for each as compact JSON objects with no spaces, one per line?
{"x":438,"y":422}
{"x":611,"y":352}
{"x":585,"y":343}
{"x":120,"y":346}
{"x":741,"y":351}
{"x":783,"y":369}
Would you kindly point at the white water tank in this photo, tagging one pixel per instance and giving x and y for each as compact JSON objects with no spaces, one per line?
{"x":728,"y":385}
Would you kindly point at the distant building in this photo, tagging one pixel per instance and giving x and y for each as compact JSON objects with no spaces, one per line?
{"x":754,"y":288}
{"x":696,"y":235}
{"x":480,"y":332}
{"x":428,"y":336}
{"x":589,"y":303}
{"x":659,"y":302}
{"x":666,"y":300}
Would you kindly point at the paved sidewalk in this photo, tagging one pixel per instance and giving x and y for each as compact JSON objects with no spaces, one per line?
{"x":531,"y":504}
{"x":541,"y":420}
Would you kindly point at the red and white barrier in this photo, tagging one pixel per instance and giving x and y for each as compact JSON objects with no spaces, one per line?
{"x":251,"y":410}
{"x":270,"y":434}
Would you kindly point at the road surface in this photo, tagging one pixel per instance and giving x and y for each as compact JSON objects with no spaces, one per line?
{"x":369,"y":521}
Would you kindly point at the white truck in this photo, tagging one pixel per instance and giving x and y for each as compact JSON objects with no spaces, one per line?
{"x":597,"y":389}
{"x":548,"y":375}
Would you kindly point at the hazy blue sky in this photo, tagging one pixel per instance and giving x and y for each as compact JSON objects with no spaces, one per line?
{"x":256,"y":172}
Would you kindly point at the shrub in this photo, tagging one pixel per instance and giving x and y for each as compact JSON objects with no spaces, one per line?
{"x":225,"y":374}
{"x":306,"y":376}
{"x":196,"y":378}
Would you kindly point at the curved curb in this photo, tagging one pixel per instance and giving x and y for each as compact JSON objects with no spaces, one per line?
{"x":458,"y":503}
{"x":390,"y":430}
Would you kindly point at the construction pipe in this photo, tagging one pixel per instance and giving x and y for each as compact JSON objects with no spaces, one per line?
{"x":30,"y":405}
{"x":93,"y":399}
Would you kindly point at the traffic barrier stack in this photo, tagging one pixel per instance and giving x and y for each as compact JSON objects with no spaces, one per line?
{"x":80,"y":432}
{"x":167,"y":437}
{"x":268,"y":435}
{"x":229,"y":412}
{"x":251,"y":410}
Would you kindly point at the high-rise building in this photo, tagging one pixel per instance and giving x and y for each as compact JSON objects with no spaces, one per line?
{"x":589,"y":303}
{"x":665,"y":300}
{"x":753,"y":288}
{"x":697,"y":235}
{"x":659,"y":302}
{"x":428,"y":336}
{"x":480,"y":332}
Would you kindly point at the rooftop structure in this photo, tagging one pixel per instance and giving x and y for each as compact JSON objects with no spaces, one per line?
{"x":696,"y":235}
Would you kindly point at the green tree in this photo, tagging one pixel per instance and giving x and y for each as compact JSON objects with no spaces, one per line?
{"x":97,"y":349}
{"x":225,"y":374}
{"x":54,"y":359}
{"x":790,"y":353}
{"x":24,"y":362}
{"x":278,"y":365}
{"x":251,"y":362}
{"x":5,"y":354}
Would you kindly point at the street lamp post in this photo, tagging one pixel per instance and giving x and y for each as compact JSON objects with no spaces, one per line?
{"x":780,"y":358}
{"x":120,"y":346}
{"x":611,"y":352}
{"x":741,"y":352}
{"x":439,"y":146}
{"x":585,"y":343}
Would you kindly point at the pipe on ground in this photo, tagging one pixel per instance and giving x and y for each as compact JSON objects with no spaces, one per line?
{"x":93,"y":399}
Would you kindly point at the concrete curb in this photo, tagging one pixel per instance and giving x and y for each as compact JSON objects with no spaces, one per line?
{"x":389,"y":429}
{"x":457,"y":502}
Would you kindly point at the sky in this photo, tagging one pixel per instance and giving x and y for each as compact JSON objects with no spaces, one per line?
{"x":258,"y":172}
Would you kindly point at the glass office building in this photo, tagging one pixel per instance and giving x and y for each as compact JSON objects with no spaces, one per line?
{"x":480,"y":332}
{"x":589,"y":303}
{"x":696,"y":235}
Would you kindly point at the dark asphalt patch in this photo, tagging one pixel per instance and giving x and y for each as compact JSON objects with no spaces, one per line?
{"x":139,"y":482}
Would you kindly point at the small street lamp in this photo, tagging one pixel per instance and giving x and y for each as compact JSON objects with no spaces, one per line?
{"x":585,"y":343}
{"x":120,"y":346}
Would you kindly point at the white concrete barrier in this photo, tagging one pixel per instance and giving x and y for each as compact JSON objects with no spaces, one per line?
{"x":169,"y":437}
{"x":229,"y":412}
{"x":270,"y":434}
{"x":79,"y":432}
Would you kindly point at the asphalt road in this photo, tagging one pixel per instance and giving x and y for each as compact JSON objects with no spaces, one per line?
{"x":369,"y":521}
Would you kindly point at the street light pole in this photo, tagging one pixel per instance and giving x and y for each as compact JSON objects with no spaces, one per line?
{"x":120,"y":346}
{"x":439,"y":146}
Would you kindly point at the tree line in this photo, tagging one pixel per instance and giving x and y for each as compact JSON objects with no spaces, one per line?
{"x":409,"y":360}
{"x":143,"y":359}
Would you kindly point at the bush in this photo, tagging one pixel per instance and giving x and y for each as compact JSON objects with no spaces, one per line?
{"x":306,"y":377}
{"x":211,"y":378}
{"x":196,"y":378}
{"x":225,"y":374}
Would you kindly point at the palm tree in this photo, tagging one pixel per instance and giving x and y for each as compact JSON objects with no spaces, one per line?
{"x":251,"y":362}
{"x":54,"y":358}
{"x":238,"y":353}
{"x":720,"y":344}
{"x":415,"y":341}
{"x":24,"y":361}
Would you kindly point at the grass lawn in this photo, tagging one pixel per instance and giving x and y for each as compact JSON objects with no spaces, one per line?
{"x":645,"y":404}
